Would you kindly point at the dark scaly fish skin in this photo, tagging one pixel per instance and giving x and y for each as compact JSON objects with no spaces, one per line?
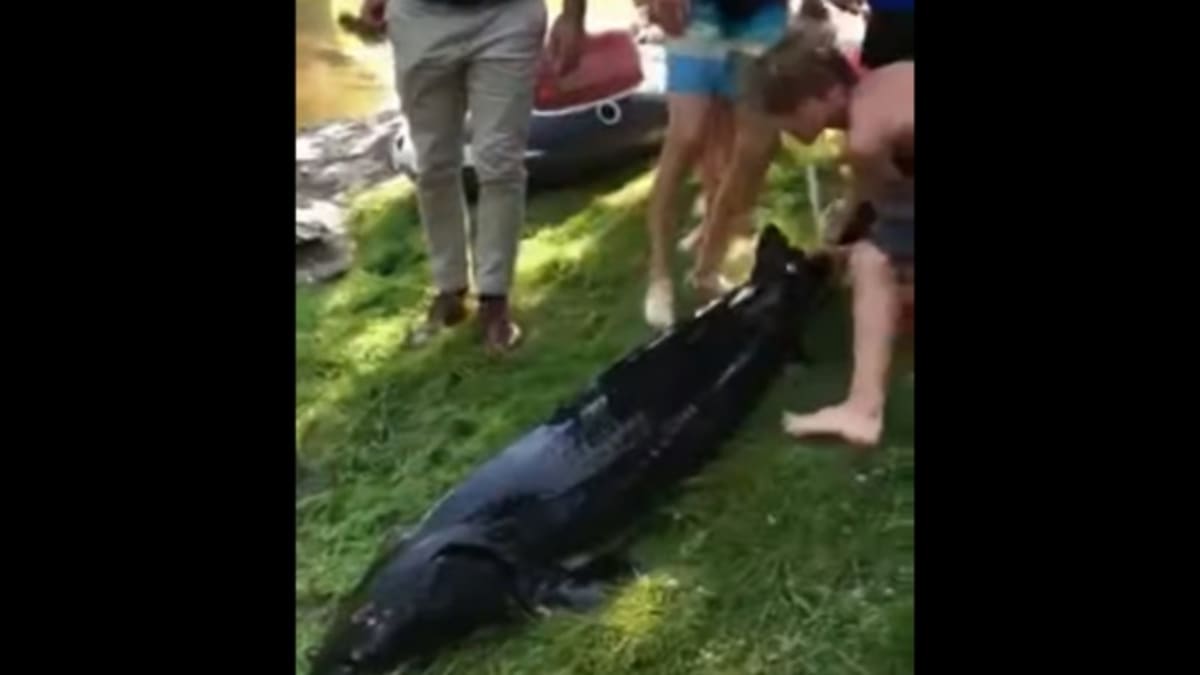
{"x":495,"y":545}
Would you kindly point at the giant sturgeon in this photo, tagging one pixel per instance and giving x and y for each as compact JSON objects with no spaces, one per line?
{"x":503,"y":542}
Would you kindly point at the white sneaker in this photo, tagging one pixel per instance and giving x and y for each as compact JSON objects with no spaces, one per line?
{"x":660,"y":304}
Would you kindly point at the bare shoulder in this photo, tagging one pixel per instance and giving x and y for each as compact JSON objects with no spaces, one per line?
{"x":883,"y":99}
{"x":886,"y":87}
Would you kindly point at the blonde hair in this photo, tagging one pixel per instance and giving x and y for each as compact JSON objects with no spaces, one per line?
{"x":804,"y":64}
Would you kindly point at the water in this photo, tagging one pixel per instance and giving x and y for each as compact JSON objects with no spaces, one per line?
{"x":337,"y":76}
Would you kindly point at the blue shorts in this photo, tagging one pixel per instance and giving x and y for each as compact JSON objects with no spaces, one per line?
{"x":698,"y":62}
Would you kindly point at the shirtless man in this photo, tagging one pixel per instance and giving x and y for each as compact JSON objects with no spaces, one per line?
{"x":805,"y":91}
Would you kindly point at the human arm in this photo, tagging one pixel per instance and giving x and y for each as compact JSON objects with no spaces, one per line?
{"x":870,"y":151}
{"x":567,"y":36}
{"x":670,"y":15}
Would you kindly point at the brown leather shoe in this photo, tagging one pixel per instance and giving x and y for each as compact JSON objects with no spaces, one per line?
{"x":447,"y":309}
{"x":500,"y":333}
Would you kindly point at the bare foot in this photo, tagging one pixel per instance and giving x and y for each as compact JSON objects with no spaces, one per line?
{"x":849,"y":423}
{"x":660,"y":303}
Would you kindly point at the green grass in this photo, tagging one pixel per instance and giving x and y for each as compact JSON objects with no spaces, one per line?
{"x":779,"y":558}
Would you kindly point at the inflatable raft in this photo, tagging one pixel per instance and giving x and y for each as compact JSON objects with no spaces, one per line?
{"x":611,"y":116}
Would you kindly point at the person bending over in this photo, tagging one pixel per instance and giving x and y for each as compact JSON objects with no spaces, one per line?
{"x":806,"y":90}
{"x":812,"y":26}
{"x":704,"y":37}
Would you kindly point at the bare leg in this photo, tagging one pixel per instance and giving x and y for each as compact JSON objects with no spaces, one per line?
{"x":718,"y":149}
{"x":726,"y":129}
{"x":719,"y":134}
{"x":754,"y":146}
{"x":859,"y":419}
{"x":685,"y":137}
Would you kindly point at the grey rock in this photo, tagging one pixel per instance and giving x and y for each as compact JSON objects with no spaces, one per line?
{"x":333,"y":161}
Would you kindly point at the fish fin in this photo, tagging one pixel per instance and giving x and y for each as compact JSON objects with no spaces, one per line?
{"x":573,"y":595}
{"x":605,"y":567}
{"x":585,"y":587}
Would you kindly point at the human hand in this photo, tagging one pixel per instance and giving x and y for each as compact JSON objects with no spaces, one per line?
{"x":671,"y":15}
{"x":566,"y":43}
{"x":367,"y":31}
{"x":372,"y":12}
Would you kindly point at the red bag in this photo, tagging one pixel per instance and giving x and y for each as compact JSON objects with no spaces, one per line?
{"x":609,"y":65}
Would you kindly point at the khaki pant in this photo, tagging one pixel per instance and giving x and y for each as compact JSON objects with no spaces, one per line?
{"x":450,"y":61}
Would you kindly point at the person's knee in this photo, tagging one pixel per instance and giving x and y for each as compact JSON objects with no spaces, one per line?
{"x":501,"y":173}
{"x":500,"y":158}
{"x":438,"y":176}
{"x":686,"y":134}
{"x":439,"y":160}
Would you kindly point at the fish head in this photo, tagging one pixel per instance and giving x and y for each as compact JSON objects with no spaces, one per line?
{"x":424,"y":596}
{"x":781,"y":265}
